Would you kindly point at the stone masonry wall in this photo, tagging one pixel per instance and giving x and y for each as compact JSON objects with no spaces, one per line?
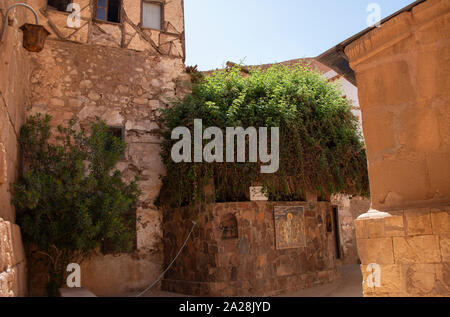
{"x":249,"y":264}
{"x":14,"y":97}
{"x":412,"y":248}
{"x":125,"y":88}
{"x":403,"y":74}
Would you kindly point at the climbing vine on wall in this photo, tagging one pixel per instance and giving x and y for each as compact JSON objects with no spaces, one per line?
{"x":321,"y":149}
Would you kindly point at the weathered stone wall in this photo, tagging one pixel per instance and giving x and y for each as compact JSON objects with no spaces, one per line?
{"x":127,"y":34}
{"x":402,"y":69}
{"x":412,"y":248}
{"x":125,"y":88}
{"x":121,"y":73}
{"x":249,"y":264}
{"x":14,"y":97}
{"x":349,"y":209}
{"x":403,"y":75}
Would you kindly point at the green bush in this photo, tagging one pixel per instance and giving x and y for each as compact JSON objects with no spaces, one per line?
{"x":321,"y":149}
{"x":70,"y":200}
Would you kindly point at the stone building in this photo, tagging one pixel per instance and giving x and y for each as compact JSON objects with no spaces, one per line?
{"x":402,"y":72}
{"x":124,"y":60}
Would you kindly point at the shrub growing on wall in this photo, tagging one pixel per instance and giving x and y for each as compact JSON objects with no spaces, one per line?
{"x":321,"y":149}
{"x":70,"y":200}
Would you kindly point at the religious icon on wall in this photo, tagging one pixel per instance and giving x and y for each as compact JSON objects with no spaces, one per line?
{"x":289,"y":227}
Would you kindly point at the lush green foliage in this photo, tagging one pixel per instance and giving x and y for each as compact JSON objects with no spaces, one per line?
{"x":321,"y":149}
{"x":69,"y":200}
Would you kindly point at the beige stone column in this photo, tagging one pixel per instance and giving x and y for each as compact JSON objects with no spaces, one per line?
{"x":403,"y":77}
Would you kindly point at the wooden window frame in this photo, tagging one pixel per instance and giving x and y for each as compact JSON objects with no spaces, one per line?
{"x":49,"y":7}
{"x":163,"y":6}
{"x":106,"y":16}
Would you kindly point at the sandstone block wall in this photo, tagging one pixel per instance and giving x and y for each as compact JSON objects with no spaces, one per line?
{"x":13,"y":280}
{"x":403,"y":75}
{"x":14,"y":97}
{"x":412,"y":248}
{"x":402,"y":70}
{"x":249,"y":264}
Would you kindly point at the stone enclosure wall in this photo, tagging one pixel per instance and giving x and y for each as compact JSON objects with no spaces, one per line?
{"x":412,"y":249}
{"x":14,"y":97}
{"x":248,"y":263}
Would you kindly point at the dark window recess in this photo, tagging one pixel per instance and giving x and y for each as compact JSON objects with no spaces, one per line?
{"x":229,"y":227}
{"x":60,"y":5}
{"x":117,"y":132}
{"x":108,"y":10}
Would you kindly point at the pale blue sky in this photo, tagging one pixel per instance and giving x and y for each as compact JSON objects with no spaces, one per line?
{"x":267,"y":31}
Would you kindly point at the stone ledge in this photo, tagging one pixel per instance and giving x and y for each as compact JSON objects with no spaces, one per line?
{"x":395,"y":30}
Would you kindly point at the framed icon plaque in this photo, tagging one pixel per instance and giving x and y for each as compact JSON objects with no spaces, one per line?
{"x":289,"y":227}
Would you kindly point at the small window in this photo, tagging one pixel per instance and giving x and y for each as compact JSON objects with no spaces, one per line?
{"x":108,"y":10}
{"x":229,"y":227}
{"x":118,"y":132}
{"x":152,"y":14}
{"x":60,"y":5}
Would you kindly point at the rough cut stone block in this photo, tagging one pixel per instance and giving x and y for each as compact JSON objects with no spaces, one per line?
{"x":375,"y":228}
{"x":8,"y":282}
{"x":6,"y":258}
{"x":445,"y":247}
{"x":394,"y":226}
{"x":417,"y":249}
{"x":443,"y":278}
{"x":440,"y":221}
{"x":418,"y":222}
{"x":420,"y":279}
{"x":16,"y":240}
{"x":391,"y":280}
{"x":361,"y":229}
{"x":377,"y":251}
